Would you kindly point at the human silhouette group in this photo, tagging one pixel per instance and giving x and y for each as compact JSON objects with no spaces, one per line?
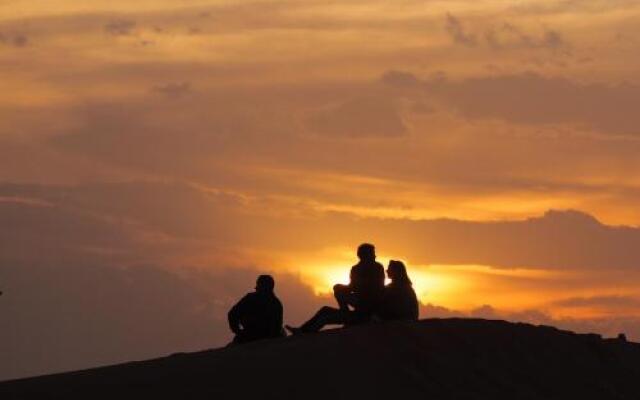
{"x":259,"y":314}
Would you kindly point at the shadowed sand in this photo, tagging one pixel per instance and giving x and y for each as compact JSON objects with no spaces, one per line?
{"x":435,"y":358}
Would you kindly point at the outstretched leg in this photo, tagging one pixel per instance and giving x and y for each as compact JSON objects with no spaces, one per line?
{"x":325,"y":316}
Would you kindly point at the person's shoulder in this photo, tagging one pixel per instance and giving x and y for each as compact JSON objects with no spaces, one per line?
{"x":245,"y":301}
{"x":249,"y":296}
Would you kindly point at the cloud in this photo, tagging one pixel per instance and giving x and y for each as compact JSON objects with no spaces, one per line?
{"x":104,"y":273}
{"x":223,"y":122}
{"x":120,"y":27}
{"x":558,"y":240}
{"x":609,"y":327}
{"x":173,"y":90}
{"x":130,"y":219}
{"x":17,"y":40}
{"x":510,"y":36}
{"x":399,"y":78}
{"x":116,"y":215}
{"x":457,"y":32}
{"x":360,"y":117}
{"x":584,"y":9}
{"x":59,"y":317}
{"x":35,"y":230}
{"x":83,"y":265}
{"x":534,"y":99}
{"x":609,"y":302}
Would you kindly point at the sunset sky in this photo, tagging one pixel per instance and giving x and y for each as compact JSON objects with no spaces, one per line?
{"x":155,"y":156}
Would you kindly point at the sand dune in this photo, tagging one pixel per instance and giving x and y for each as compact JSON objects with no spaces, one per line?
{"x":430,"y":359}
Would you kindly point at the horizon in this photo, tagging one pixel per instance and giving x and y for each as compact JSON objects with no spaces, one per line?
{"x":157,"y":156}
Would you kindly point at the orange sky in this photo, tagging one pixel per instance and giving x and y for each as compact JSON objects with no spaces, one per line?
{"x":264,"y":135}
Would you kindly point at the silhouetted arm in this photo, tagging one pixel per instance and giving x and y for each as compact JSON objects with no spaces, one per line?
{"x":235,"y":314}
{"x":278,"y":319}
{"x":353,"y":279}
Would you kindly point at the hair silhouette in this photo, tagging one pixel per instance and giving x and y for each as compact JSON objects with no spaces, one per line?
{"x":399,"y":301}
{"x":398,"y":272}
{"x":265,"y":283}
{"x":366,"y":251}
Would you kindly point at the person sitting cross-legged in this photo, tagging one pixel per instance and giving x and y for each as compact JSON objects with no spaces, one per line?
{"x":258,"y":315}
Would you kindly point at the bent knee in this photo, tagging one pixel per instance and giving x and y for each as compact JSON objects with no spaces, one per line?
{"x":339,"y":288}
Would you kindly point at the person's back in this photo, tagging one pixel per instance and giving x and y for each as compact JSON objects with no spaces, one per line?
{"x":367,"y":283}
{"x":399,"y":301}
{"x":258,"y":315}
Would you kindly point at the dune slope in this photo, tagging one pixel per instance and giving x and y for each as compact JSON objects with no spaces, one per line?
{"x":435,"y":358}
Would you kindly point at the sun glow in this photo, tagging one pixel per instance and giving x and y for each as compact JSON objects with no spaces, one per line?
{"x":458,"y":287}
{"x":431,"y":285}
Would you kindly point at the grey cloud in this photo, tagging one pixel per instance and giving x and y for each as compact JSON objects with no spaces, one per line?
{"x":485,"y":311}
{"x":59,"y":317}
{"x":573,"y":7}
{"x":505,"y":36}
{"x":511,"y":36}
{"x":173,"y":90}
{"x":435,"y":311}
{"x":399,"y":78}
{"x":534,"y":99}
{"x":89,"y":273}
{"x":367,"y":116}
{"x":613,"y":302}
{"x":557,"y":240}
{"x":120,"y":27}
{"x":456,"y":30}
{"x":17,"y":40}
{"x":35,"y":230}
{"x":112,"y":212}
{"x":607,"y":326}
{"x":203,"y":124}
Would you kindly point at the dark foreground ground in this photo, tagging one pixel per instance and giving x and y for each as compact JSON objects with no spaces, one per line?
{"x":430,"y":359}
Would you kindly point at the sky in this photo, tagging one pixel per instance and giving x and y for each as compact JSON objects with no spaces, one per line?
{"x":156,"y":156}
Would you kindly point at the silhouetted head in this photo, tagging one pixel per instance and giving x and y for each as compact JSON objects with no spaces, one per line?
{"x":397,"y":272}
{"x":367,"y":252}
{"x":265,"y":284}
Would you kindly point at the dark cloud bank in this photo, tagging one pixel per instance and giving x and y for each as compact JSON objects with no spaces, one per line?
{"x":534,"y":99}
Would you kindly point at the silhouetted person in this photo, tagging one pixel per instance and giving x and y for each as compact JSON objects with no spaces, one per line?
{"x":399,"y":301}
{"x":366,"y":285}
{"x":258,"y":315}
{"x":358,"y":300}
